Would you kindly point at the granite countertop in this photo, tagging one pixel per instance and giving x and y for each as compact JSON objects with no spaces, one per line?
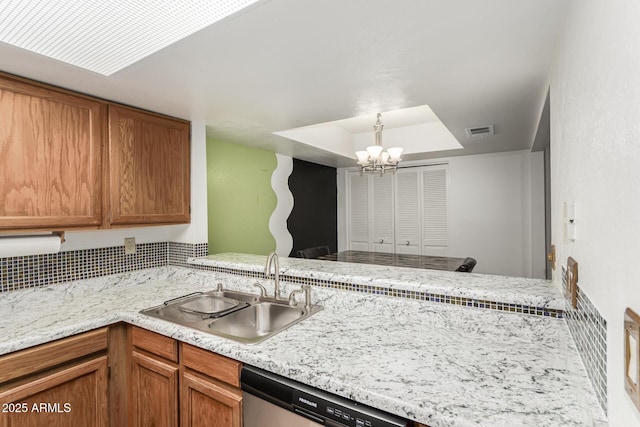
{"x":503,"y":289}
{"x":438,"y":364}
{"x":396,"y":260}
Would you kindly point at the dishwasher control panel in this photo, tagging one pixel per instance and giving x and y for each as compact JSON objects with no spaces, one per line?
{"x":314,"y":404}
{"x":349,"y":413}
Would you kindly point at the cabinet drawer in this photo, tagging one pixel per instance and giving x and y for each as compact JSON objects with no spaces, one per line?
{"x":36,"y":359}
{"x":211,"y":364}
{"x":155,"y":343}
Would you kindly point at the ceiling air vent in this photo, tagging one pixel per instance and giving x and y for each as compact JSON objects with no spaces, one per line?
{"x":479,"y":131}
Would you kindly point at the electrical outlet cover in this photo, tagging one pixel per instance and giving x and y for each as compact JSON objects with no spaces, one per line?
{"x":129,"y":245}
{"x":632,"y":355}
{"x":571,"y":290}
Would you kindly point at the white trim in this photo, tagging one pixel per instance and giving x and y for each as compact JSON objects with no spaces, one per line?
{"x":284,"y":206}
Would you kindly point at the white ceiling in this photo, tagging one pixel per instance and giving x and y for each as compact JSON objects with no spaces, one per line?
{"x":417,"y":130}
{"x":282,"y":64}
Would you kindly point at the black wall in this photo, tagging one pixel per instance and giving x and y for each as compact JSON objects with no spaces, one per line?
{"x":313,"y":220}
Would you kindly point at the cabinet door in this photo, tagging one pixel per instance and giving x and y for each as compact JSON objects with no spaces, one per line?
{"x":51,"y":147}
{"x":149,"y":168}
{"x":434,"y":211}
{"x":358,"y":211}
{"x":382,"y":213}
{"x":153,"y":392}
{"x":74,"y":396}
{"x":205,"y":402}
{"x":408,"y":218}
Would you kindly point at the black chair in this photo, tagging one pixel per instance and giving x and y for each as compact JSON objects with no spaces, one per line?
{"x":467,"y":265}
{"x":311,"y":253}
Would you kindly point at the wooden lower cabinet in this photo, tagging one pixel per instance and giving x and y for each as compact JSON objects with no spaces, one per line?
{"x":206,"y":403}
{"x":119,"y":376}
{"x":75,"y":396}
{"x":60,"y":384}
{"x":154,"y":392}
{"x":186,"y":387}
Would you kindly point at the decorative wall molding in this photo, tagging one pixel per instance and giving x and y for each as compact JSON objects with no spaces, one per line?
{"x":278,"y":219}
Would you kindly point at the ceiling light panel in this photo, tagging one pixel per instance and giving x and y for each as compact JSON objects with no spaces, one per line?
{"x":106,"y":36}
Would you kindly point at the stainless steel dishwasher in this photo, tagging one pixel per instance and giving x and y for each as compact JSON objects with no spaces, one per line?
{"x":270,"y":400}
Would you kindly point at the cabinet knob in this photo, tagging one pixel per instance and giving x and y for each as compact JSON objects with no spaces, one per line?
{"x":381,"y":240}
{"x":407,"y":243}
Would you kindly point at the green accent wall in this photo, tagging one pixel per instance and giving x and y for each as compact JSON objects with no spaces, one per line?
{"x":240,"y":198}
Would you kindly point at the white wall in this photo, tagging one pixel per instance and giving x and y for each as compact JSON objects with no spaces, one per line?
{"x":491,"y":212}
{"x":195,"y":232}
{"x":496,"y":212}
{"x":595,"y":161}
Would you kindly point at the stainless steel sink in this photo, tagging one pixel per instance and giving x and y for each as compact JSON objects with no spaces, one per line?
{"x":210,"y":305}
{"x":236,"y":295}
{"x":240,"y":316}
{"x":258,"y":321}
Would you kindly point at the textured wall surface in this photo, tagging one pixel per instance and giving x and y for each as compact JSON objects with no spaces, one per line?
{"x":495,"y":211}
{"x":595,"y":153}
{"x":240,"y":198}
{"x":261,"y":202}
{"x":313,"y":221}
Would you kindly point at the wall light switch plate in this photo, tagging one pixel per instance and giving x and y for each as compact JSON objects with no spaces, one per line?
{"x":632,"y":355}
{"x":129,"y":245}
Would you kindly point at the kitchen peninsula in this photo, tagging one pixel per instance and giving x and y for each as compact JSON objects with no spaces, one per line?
{"x":439,"y":364}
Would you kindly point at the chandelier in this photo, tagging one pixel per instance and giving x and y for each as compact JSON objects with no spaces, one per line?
{"x":375,"y":159}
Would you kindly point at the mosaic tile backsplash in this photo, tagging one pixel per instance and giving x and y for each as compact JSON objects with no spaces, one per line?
{"x":589,"y":331}
{"x":40,"y":270}
{"x":399,"y":293}
{"x":178,"y":253}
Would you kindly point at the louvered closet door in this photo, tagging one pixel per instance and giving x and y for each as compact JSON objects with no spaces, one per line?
{"x":382,"y":213}
{"x":358,"y":211}
{"x":407,"y":221}
{"x":434,"y":211}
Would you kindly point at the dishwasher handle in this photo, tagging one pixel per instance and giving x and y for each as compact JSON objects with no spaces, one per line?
{"x":303,"y":413}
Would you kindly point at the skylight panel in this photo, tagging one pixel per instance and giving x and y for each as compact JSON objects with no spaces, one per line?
{"x":105,"y":36}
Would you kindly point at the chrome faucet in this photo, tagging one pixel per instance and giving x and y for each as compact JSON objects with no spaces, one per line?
{"x":273,"y":259}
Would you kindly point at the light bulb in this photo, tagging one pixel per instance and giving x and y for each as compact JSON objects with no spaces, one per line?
{"x":363,"y":157}
{"x":385,"y":157}
{"x":395,"y":153}
{"x":374,"y":152}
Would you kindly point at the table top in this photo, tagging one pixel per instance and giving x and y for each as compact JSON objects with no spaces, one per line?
{"x":397,"y":260}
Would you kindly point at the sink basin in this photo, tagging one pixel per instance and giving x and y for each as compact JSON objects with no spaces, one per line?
{"x":258,"y":321}
{"x":208,"y":304}
{"x":236,"y":295}
{"x":236,"y":315}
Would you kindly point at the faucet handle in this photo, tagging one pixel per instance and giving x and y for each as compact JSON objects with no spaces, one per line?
{"x":306,"y":289}
{"x":307,"y":296}
{"x":263,"y":290}
{"x":292,"y":296}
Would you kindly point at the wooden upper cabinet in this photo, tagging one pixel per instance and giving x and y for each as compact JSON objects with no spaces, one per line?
{"x":71,"y":161}
{"x":51,"y":147}
{"x":149,"y":168}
